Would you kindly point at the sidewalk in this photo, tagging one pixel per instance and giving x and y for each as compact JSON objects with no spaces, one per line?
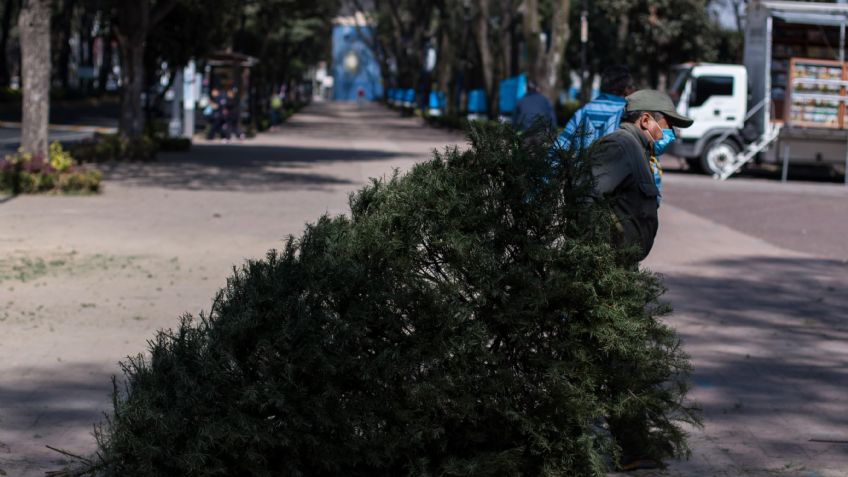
{"x":85,"y":281}
{"x":768,"y":338}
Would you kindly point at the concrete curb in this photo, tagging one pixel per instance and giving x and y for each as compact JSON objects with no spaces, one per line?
{"x":66,"y":127}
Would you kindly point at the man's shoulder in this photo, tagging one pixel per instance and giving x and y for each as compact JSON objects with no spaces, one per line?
{"x":619,"y":136}
{"x":609,"y":144}
{"x":620,"y":140}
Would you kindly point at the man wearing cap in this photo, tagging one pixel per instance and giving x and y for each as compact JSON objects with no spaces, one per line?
{"x":626,"y":168}
{"x":627,"y":172}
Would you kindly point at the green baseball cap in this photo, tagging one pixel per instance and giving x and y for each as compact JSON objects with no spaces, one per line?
{"x":657,"y":101}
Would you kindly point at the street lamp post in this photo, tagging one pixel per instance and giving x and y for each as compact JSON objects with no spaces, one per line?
{"x":190,"y":89}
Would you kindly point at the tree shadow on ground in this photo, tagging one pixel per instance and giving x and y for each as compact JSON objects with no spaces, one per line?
{"x":54,"y":406}
{"x":239,"y":167}
{"x":345,"y":120}
{"x":769,"y":341}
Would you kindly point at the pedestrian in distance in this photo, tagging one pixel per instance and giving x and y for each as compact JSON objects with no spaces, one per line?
{"x":602,"y":115}
{"x":233,"y":120}
{"x":627,"y":170}
{"x":533,"y":109}
{"x":360,"y":96}
{"x":276,"y":110}
{"x":216,"y":110}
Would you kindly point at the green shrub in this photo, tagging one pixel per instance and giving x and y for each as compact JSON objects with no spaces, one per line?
{"x":59,"y":159}
{"x":454,"y":121}
{"x":469,"y":318}
{"x":174,"y":144}
{"x":80,"y":181}
{"x":23,"y":173}
{"x":113,"y":147}
{"x":70,"y":94}
{"x":9,"y":95}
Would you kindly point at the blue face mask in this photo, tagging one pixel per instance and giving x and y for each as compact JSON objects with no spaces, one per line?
{"x":660,"y":145}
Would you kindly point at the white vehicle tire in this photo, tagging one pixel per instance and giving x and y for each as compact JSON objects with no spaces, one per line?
{"x":718,"y":156}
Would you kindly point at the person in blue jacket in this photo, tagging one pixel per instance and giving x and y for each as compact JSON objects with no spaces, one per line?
{"x":602,"y":115}
{"x":533,"y":108}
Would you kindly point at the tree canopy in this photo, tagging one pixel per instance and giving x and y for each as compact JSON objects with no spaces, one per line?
{"x":481,"y":42}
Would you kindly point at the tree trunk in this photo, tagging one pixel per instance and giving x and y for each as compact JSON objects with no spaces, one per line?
{"x":545,"y":63}
{"x":378,"y":49}
{"x":445,"y":66}
{"x":487,"y":62}
{"x":622,"y":37}
{"x":505,"y":39}
{"x":64,"y":34}
{"x":34,"y":27}
{"x":106,"y":64}
{"x":134,"y":21}
{"x":131,"y":122}
{"x":5,"y":27}
{"x":132,"y":25}
{"x":86,"y":49}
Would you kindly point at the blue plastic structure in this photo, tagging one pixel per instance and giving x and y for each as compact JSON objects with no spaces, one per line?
{"x":477,"y":101}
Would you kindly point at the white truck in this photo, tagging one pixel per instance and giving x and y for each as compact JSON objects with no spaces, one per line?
{"x":786,"y":104}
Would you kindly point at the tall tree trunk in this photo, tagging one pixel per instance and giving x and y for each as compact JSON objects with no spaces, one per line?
{"x":131,"y":122}
{"x":622,"y":32}
{"x":106,"y":64}
{"x":5,"y":27}
{"x":133,"y":22}
{"x":505,"y":39}
{"x":372,"y":40}
{"x":545,"y":64}
{"x":64,"y":44}
{"x":487,"y":61}
{"x":34,"y":27}
{"x":86,"y":49}
{"x":445,"y":66}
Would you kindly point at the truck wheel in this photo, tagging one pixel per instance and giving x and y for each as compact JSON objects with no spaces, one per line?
{"x":718,"y":156}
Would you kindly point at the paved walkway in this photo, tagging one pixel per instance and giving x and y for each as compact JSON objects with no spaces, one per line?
{"x":84,"y":281}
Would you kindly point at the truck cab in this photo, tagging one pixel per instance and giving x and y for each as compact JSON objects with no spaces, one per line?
{"x":715,"y":96}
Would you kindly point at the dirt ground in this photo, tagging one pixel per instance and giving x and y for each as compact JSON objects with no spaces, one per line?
{"x":85,"y":281}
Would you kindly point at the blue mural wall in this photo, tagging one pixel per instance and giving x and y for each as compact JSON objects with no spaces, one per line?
{"x":354,"y":65}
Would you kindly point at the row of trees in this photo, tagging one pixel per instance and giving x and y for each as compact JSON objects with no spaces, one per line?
{"x":151,"y":39}
{"x":480,"y":42}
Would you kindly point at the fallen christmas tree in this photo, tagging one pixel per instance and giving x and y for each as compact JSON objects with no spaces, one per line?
{"x":469,"y":318}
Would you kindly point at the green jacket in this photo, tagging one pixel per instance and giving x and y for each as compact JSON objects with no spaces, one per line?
{"x":620,"y":164}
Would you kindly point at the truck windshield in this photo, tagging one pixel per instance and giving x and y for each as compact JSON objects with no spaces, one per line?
{"x":680,"y":75}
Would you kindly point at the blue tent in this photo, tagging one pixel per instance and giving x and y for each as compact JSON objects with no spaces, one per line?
{"x":477,"y":101}
{"x":354,"y":66}
{"x":437,"y":100}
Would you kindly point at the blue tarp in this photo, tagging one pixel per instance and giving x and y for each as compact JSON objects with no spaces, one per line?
{"x":437,"y":100}
{"x":511,"y":90}
{"x":409,"y":96}
{"x":477,"y":101}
